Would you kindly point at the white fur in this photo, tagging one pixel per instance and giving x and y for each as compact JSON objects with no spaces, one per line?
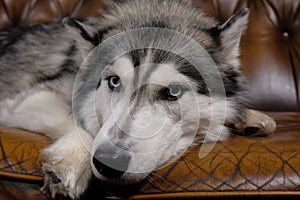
{"x":69,"y":159}
{"x":37,"y":110}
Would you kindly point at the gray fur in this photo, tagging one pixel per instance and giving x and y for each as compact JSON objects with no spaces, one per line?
{"x":46,"y":52}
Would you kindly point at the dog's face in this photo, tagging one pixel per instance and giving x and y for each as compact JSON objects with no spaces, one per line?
{"x":145,"y":105}
{"x":148,"y":114}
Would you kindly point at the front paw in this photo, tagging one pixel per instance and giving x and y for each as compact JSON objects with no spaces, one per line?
{"x":255,"y":123}
{"x":66,"y":172}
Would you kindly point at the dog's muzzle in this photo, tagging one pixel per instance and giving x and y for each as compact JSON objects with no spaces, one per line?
{"x":110,"y":166}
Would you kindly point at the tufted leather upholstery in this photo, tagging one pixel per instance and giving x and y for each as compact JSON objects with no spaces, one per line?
{"x":240,"y":166}
{"x":270,"y":48}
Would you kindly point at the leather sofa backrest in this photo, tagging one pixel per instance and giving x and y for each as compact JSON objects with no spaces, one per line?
{"x":270,"y":50}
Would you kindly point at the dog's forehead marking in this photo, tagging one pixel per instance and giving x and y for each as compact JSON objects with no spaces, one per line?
{"x":166,"y":74}
{"x":123,"y":67}
{"x":163,"y":74}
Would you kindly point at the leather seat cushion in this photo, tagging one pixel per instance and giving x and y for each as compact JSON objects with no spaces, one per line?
{"x":20,"y":155}
{"x":252,"y":164}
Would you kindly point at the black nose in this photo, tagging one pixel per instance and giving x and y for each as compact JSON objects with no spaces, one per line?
{"x":111,"y":167}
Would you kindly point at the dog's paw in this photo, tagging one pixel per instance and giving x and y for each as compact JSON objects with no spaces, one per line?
{"x":258,"y":124}
{"x":67,"y":170}
{"x":255,"y":123}
{"x":65,"y":180}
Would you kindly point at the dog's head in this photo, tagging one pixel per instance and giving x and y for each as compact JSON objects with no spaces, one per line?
{"x":148,"y":87}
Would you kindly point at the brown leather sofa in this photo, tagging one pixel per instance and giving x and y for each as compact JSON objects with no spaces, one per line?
{"x":240,"y":167}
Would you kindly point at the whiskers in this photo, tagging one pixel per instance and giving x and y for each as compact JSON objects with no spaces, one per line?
{"x":154,"y":180}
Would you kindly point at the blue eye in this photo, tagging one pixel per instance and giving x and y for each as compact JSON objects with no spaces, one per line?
{"x":172,"y":93}
{"x":114,"y":83}
{"x":175,"y":91}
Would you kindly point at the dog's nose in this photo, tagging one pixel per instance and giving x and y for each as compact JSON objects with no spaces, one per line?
{"x":111,"y":167}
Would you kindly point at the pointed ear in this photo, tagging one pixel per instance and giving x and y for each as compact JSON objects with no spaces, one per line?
{"x":230,"y":35}
{"x":85,"y":35}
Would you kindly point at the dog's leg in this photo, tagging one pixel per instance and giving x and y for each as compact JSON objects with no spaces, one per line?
{"x":67,"y":164}
{"x":254,"y":123}
{"x":67,"y":161}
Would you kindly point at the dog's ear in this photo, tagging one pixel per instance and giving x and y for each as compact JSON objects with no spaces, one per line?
{"x":230,"y":35}
{"x":87,"y":36}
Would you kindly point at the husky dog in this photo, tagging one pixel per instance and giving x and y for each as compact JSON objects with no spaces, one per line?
{"x":123,"y":94}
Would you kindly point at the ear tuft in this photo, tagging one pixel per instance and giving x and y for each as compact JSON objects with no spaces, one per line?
{"x":241,"y":16}
{"x":230,"y":35}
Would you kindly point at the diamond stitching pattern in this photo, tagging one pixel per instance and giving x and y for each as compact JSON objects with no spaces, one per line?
{"x":256,"y":164}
